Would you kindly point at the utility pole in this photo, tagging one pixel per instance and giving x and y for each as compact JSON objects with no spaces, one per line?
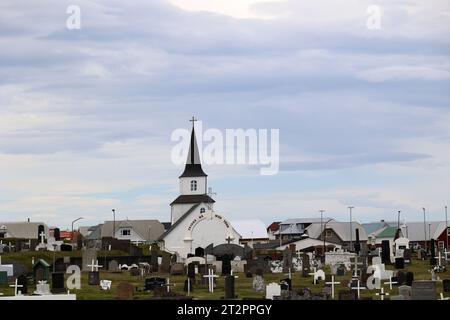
{"x":424,"y":230}
{"x":446,"y":229}
{"x":114,"y":223}
{"x":351,"y":236}
{"x":321,"y":227}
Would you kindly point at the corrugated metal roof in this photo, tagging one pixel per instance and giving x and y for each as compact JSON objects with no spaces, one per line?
{"x":23,"y":230}
{"x":414,"y":231}
{"x":342,"y":229}
{"x":149,"y":230}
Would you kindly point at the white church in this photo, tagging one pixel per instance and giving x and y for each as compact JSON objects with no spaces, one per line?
{"x":194,"y":223}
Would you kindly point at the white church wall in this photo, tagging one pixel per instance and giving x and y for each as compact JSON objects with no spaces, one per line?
{"x":205,"y":232}
{"x":179,"y":209}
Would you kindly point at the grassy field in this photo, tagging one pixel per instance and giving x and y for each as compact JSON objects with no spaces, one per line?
{"x":243,"y":285}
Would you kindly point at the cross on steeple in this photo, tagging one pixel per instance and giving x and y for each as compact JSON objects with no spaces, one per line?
{"x":193,"y":120}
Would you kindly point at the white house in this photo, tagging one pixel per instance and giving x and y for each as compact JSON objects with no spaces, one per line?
{"x":141,"y":231}
{"x":194,"y":223}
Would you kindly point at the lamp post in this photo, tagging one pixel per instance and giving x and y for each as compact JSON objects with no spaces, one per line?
{"x":114,"y":223}
{"x":424,"y":230}
{"x":398,"y":219}
{"x":73,"y":223}
{"x":321,"y":227}
{"x":351,"y":237}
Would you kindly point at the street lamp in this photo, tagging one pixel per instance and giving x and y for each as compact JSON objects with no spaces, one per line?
{"x":424,"y":229}
{"x":351,"y":237}
{"x":73,"y":223}
{"x":398,"y":219}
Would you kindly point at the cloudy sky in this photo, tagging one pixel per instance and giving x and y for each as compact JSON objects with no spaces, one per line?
{"x":86,"y":115}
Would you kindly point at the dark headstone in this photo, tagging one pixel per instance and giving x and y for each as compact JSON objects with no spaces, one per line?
{"x":66,"y":247}
{"x":407,"y":256}
{"x":199,"y":252}
{"x":134,"y":272}
{"x":191,"y":271}
{"x":22,"y":281}
{"x":287,"y":259}
{"x":58,"y":282}
{"x":3,"y":278}
{"x":305,"y":265}
{"x":226,"y":265}
{"x":57,"y":234}
{"x":424,"y":290}
{"x":229,"y":287}
{"x":259,"y":272}
{"x":41,"y":271}
{"x":41,"y":229}
{"x":399,"y":263}
{"x":188,"y":283}
{"x":165,"y":262}
{"x":125,"y":291}
{"x":446,"y":285}
{"x":340,"y":272}
{"x":386,"y":252}
{"x":286,"y":284}
{"x":94,"y":278}
{"x":409,"y":278}
{"x":154,"y":260}
{"x":154,"y":282}
{"x":249,"y":275}
{"x":401,"y":278}
{"x":347,"y":295}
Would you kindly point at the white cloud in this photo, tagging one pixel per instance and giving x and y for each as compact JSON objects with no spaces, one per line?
{"x":403,"y":72}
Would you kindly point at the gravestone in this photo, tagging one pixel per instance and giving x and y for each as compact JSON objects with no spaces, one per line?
{"x":446,"y":285}
{"x":229,"y":287}
{"x":347,"y":295}
{"x":405,"y":291}
{"x":154,"y":259}
{"x":226,"y":265}
{"x":433,"y":260}
{"x":399,"y":263}
{"x":258,"y":283}
{"x":57,"y":234}
{"x":409,"y":278}
{"x":22,"y":281}
{"x":199,"y":252}
{"x":3,"y":278}
{"x":94,"y":278}
{"x":135,"y":272}
{"x":273,"y":290}
{"x":386,"y":252}
{"x":401,"y":278}
{"x":41,"y":229}
{"x":152,"y":283}
{"x":407,"y":256}
{"x":41,"y":271}
{"x":423,"y":290}
{"x":340,"y":271}
{"x":86,"y":258}
{"x":287,"y":259}
{"x":191,"y":271}
{"x":305,"y":265}
{"x":286,"y":284}
{"x":125,"y":291}
{"x":65,"y":247}
{"x":177,"y":269}
{"x":357,"y":245}
{"x":113,"y":265}
{"x":165,"y":262}
{"x":58,"y":282}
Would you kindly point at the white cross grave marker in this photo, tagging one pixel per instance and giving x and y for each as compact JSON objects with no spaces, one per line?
{"x":289,"y":274}
{"x":439,"y":257}
{"x":211,"y":277}
{"x":313,"y":274}
{"x":15,"y":286}
{"x":168,"y":285}
{"x":96,"y":266}
{"x":356,"y":263}
{"x":332,"y":286}
{"x":443,"y":298}
{"x":42,"y":236}
{"x":382,"y":293}
{"x":358,"y":287}
{"x":390,"y":283}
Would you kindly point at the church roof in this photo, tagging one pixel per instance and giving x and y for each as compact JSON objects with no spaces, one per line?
{"x":193,"y":198}
{"x":193,"y":165}
{"x":184,"y":216}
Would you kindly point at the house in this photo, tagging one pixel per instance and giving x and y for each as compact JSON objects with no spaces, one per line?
{"x":252,"y":231}
{"x":337,"y":233}
{"x":272,"y":229}
{"x":23,"y":230}
{"x":139,"y":231}
{"x":419,"y":234}
{"x":295,"y":228}
{"x":388,"y":233}
{"x":374,"y":228}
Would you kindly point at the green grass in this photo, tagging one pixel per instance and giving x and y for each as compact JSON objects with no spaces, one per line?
{"x":243,"y":285}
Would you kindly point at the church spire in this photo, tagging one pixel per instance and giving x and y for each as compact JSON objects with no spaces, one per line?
{"x":193,"y":165}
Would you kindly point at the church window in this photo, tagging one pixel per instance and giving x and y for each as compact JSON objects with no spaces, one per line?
{"x":328,"y":234}
{"x":125,"y":232}
{"x":202,"y":210}
{"x":194,"y":185}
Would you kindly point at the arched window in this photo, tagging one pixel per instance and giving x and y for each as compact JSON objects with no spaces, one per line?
{"x":194,"y":185}
{"x":202,"y":210}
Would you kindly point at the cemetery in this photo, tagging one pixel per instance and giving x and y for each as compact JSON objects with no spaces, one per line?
{"x":91,"y":274}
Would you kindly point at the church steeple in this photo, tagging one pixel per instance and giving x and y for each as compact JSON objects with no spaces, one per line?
{"x":193,"y":164}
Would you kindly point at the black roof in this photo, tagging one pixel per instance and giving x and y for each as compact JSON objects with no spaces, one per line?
{"x":193,"y":165}
{"x":193,"y":198}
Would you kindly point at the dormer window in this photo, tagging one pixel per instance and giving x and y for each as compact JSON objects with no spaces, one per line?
{"x":194,"y":185}
{"x":202,"y":210}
